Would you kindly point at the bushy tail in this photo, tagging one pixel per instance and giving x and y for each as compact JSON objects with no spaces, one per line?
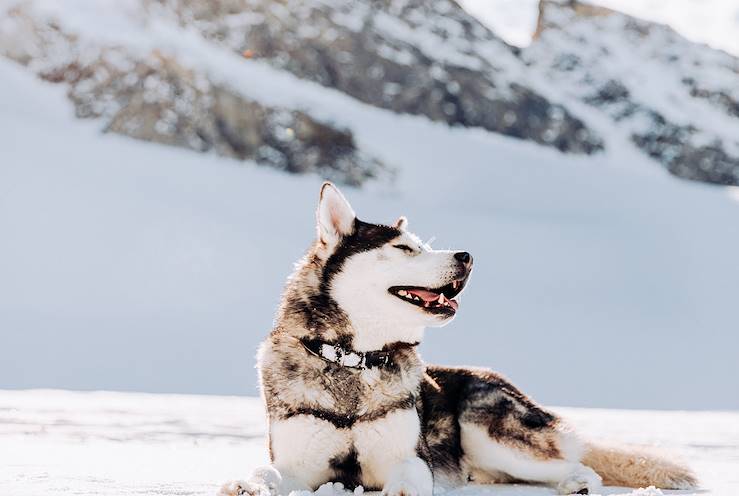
{"x":635,"y":467}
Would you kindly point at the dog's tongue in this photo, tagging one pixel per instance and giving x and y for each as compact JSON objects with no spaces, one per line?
{"x":425,"y":295}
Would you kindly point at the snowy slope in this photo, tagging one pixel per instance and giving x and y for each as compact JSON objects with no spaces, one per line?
{"x":714,"y":22}
{"x":122,"y":444}
{"x":676,"y":100}
{"x":151,"y":268}
{"x":143,"y":76}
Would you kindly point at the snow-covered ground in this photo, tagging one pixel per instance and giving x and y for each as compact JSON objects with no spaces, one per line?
{"x":58,"y":443}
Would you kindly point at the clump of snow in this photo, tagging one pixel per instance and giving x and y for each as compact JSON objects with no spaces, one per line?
{"x":331,"y":489}
{"x":648,"y":491}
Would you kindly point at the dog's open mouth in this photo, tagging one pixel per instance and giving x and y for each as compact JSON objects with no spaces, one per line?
{"x":434,"y":300}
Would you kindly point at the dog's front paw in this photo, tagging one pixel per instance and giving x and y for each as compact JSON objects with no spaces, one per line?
{"x":412,"y":477}
{"x":401,"y":488}
{"x":243,"y":488}
{"x":582,"y":481}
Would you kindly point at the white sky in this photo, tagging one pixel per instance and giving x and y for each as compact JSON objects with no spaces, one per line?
{"x":715,"y":22}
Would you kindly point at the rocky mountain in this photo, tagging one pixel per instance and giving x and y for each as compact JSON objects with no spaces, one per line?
{"x":150,"y":94}
{"x":676,"y":100}
{"x":422,"y":57}
{"x":592,"y":79}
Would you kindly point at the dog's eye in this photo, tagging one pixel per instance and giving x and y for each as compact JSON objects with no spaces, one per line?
{"x":405,"y":248}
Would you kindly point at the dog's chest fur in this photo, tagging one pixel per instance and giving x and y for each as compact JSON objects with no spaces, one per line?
{"x":338,"y":423}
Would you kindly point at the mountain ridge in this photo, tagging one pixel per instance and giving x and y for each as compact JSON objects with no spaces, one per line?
{"x":677,"y":100}
{"x":571,"y":90}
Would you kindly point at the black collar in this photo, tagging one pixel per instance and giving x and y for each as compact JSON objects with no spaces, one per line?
{"x":335,"y":353}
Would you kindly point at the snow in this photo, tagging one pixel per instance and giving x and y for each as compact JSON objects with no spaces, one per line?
{"x":110,"y":23}
{"x":159,"y":269}
{"x":599,"y":281}
{"x":512,"y":20}
{"x":652,"y":66}
{"x":714,"y":22}
{"x":123,"y":444}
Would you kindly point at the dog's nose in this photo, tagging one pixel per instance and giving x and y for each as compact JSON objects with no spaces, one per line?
{"x":463,"y":257}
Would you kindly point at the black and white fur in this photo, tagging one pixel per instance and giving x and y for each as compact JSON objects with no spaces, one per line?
{"x":406,"y":427}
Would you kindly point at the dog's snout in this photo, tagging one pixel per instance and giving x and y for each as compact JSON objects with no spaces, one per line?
{"x":463,"y":257}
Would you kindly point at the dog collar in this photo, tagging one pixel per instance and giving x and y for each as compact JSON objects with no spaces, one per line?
{"x":335,"y":353}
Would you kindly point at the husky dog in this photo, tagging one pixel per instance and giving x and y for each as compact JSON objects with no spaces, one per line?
{"x":349,"y":399}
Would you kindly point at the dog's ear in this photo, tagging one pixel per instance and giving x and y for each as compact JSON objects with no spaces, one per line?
{"x":401,"y":223}
{"x":335,"y":215}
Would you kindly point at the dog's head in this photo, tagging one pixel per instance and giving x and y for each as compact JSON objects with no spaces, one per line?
{"x":383,"y":276}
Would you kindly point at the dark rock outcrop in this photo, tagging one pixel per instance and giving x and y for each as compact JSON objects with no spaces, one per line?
{"x":418,"y":57}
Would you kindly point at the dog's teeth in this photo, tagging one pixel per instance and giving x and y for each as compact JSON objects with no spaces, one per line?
{"x":442,"y":300}
{"x":402,"y":292}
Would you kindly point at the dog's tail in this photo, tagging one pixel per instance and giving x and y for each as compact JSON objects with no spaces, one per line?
{"x":637,"y":467}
